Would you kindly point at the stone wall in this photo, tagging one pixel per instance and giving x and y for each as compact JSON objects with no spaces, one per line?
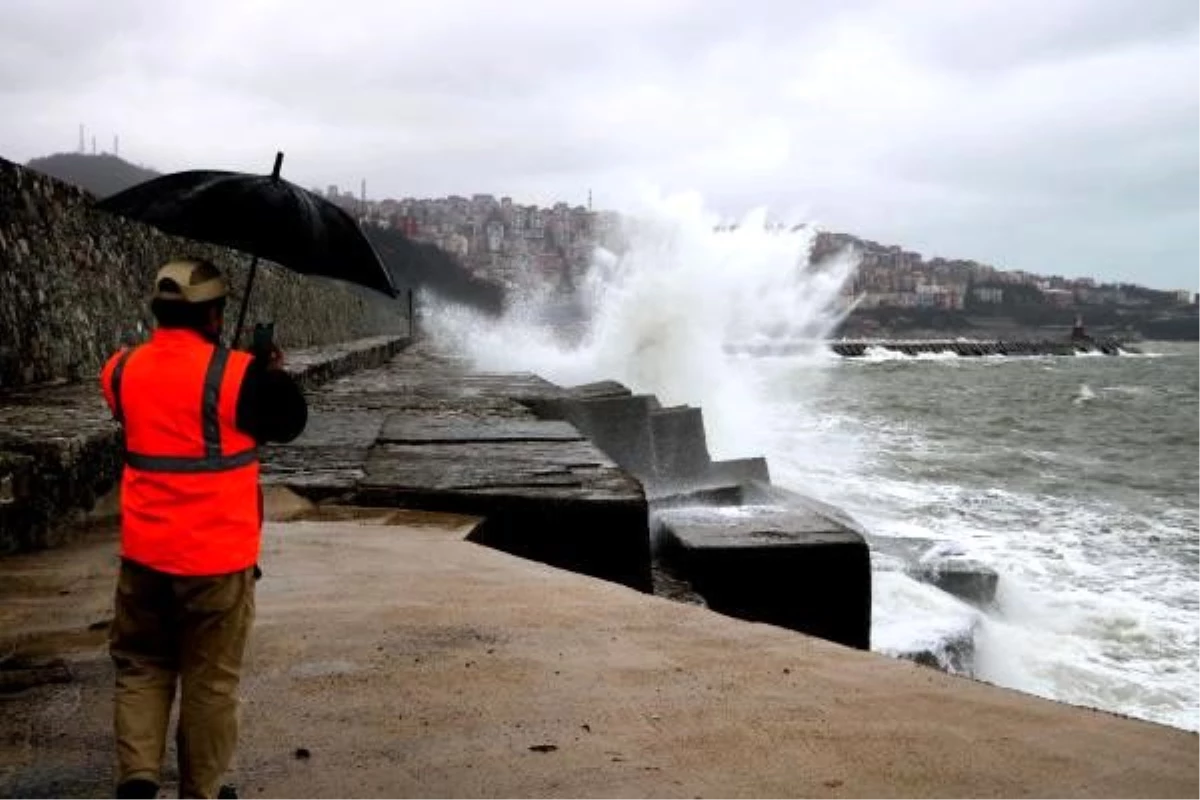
{"x":74,"y":283}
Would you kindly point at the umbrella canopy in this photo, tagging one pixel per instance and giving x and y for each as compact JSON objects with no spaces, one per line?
{"x":263,"y":215}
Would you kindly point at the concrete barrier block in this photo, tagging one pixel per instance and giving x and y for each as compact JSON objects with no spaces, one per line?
{"x":761,"y":493}
{"x":680,"y":446}
{"x":958,"y":574}
{"x":619,"y":426}
{"x":662,"y":495}
{"x":741,"y":470}
{"x":599,"y":389}
{"x":787,"y":567}
{"x":560,"y":502}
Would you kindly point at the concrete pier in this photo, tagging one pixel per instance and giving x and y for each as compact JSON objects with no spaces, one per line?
{"x":393,"y":658}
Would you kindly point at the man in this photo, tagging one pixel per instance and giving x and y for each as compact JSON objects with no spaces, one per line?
{"x":191,"y":518}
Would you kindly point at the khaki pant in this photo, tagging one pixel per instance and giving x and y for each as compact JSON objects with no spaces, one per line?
{"x":190,"y":630}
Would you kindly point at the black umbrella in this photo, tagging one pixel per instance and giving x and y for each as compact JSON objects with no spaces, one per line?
{"x":263,"y":215}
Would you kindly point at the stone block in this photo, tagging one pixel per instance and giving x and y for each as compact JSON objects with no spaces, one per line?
{"x":619,"y":426}
{"x":705,"y":492}
{"x":952,"y":651}
{"x":941,"y":564}
{"x":761,"y":493}
{"x":560,"y":502}
{"x":599,"y":389}
{"x":741,"y":470}
{"x":958,"y":574}
{"x":315,"y":472}
{"x":786,"y":567}
{"x":606,"y":539}
{"x":340,"y":428}
{"x":414,"y":429}
{"x":58,"y":477}
{"x":315,"y":366}
{"x":679,"y":444}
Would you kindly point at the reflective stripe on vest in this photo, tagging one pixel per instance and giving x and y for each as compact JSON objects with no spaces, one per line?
{"x":210,"y":425}
{"x":118,"y":371}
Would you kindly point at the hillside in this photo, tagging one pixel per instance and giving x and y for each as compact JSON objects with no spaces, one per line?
{"x":101,"y":175}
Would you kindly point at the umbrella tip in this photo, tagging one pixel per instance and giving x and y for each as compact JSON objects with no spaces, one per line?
{"x":278,"y":164}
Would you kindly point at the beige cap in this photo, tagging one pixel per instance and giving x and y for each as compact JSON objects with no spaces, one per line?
{"x":189,"y":281}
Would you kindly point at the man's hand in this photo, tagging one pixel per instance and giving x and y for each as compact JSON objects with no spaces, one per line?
{"x":275,"y":359}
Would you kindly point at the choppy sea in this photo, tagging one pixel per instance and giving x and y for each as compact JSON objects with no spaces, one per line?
{"x":1074,"y":478}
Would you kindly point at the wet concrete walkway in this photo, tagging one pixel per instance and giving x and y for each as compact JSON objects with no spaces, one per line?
{"x":392,"y":658}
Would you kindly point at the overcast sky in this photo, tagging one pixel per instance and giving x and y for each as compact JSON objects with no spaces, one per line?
{"x":1057,"y":136}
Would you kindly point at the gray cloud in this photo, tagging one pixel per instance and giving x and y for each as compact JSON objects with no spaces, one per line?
{"x":1056,"y":137}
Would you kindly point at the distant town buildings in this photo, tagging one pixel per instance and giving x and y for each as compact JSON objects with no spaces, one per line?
{"x":494,"y":238}
{"x":516,"y":244}
{"x":988,"y":294}
{"x":891,"y":277}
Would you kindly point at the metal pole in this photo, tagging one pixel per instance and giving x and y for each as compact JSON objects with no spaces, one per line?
{"x":237,"y":332}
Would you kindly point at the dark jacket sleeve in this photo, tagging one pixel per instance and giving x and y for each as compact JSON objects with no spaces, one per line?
{"x":271,"y":406}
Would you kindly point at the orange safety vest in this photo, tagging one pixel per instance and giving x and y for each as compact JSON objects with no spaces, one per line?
{"x":190,"y":503}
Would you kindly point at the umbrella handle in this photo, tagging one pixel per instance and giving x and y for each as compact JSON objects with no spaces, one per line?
{"x":241,"y":320}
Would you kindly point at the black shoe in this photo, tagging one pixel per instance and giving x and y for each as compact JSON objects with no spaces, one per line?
{"x":227,"y":792}
{"x":137,"y":788}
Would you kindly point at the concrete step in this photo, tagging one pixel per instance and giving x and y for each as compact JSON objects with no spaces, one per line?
{"x":679,"y":444}
{"x":599,"y":389}
{"x":707,"y":491}
{"x":784,"y":566}
{"x":741,"y":470}
{"x":618,"y":425}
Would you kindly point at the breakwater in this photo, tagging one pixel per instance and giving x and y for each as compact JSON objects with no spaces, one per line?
{"x":593,"y":479}
{"x":967,"y":348}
